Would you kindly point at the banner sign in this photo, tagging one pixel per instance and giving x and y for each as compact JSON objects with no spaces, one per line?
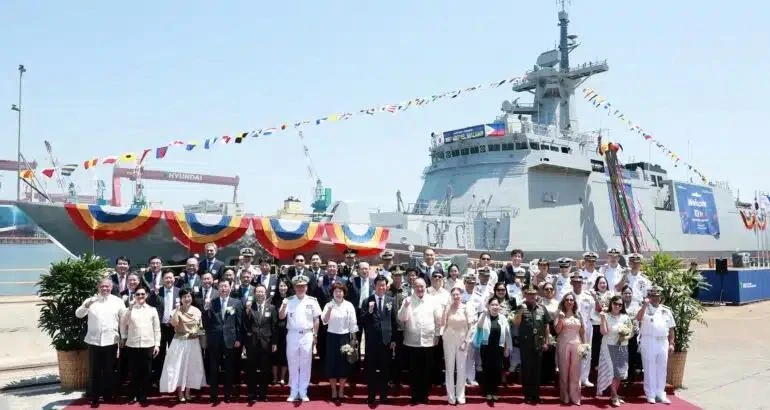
{"x":697,"y":209}
{"x":476,"y":131}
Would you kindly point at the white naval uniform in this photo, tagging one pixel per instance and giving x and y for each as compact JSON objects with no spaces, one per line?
{"x":586,"y":305}
{"x":639,"y":285}
{"x":613,"y":275}
{"x":562,"y":286}
{"x":589,"y":278}
{"x":653,"y":345}
{"x":300,"y":315}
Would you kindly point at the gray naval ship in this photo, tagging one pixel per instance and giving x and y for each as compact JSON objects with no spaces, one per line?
{"x":529,"y":180}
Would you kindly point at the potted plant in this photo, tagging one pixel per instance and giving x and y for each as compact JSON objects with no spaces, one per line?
{"x":679,"y":285}
{"x":66,"y":285}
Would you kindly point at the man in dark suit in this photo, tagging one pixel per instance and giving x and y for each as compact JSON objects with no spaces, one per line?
{"x":207,"y":291}
{"x":379,"y":316}
{"x":165,"y":300}
{"x":210,"y":263}
{"x":190,"y":279}
{"x":261,"y":342}
{"x":120,"y":277}
{"x":224,"y":333}
{"x":246,"y":289}
{"x":153,"y":278}
{"x":266,"y":278}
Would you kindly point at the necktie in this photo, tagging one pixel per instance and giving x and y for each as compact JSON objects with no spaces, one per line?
{"x":379,"y":304}
{"x":224,"y":308}
{"x":169,"y":300}
{"x":259,"y":310}
{"x":122,"y":283}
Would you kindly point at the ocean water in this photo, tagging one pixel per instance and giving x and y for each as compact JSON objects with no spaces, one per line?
{"x":22,"y":265}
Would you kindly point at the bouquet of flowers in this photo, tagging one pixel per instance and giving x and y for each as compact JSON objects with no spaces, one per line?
{"x":584,"y":350}
{"x":350,"y":353}
{"x":624,"y":331}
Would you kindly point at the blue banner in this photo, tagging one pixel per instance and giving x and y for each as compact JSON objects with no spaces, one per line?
{"x":476,"y":131}
{"x":697,"y":209}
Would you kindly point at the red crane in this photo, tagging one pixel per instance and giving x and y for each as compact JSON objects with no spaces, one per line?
{"x":130,"y":173}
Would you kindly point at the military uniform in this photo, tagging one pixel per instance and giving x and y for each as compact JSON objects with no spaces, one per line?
{"x":533,"y":332}
{"x":589,"y":278}
{"x":653,"y":344}
{"x":561,"y":283}
{"x":301,"y":315}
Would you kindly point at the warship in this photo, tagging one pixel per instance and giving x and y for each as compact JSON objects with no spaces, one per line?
{"x":528,"y":180}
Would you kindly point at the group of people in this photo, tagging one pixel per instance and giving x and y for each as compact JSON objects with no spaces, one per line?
{"x":593,"y":327}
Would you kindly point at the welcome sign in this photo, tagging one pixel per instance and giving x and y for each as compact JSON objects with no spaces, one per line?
{"x":697,"y":209}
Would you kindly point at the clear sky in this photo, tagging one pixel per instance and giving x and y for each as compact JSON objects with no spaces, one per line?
{"x":109,"y":78}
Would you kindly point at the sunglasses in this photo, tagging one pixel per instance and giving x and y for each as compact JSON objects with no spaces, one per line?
{"x":617,"y":304}
{"x":299,"y":260}
{"x":486,"y":259}
{"x":140,"y":294}
{"x":548,"y":290}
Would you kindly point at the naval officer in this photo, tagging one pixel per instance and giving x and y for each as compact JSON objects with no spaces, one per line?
{"x":656,"y":341}
{"x":302,"y":314}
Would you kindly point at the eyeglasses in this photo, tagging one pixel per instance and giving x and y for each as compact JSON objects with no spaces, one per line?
{"x":299,"y":260}
{"x":548,"y":290}
{"x":617,"y":304}
{"x":140,"y":294}
{"x":486,"y":259}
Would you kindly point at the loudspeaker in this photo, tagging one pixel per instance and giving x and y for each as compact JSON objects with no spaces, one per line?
{"x":721,"y":265}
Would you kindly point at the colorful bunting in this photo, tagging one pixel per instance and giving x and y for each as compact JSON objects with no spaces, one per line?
{"x":240,"y":137}
{"x":282,"y":238}
{"x":367,"y":240}
{"x":194,"y":231}
{"x":68,"y":169}
{"x":108,"y":222}
{"x":27,"y":174}
{"x":600,"y":102}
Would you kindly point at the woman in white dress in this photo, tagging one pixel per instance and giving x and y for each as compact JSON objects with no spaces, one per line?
{"x":183,"y":366}
{"x":616,"y":328}
{"x":457,"y":322}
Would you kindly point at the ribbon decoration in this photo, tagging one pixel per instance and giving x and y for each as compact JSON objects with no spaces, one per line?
{"x":194,"y":231}
{"x":601,"y":102}
{"x":108,"y":222}
{"x":240,"y":137}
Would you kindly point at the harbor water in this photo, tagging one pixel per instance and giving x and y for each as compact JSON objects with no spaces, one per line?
{"x":22,"y":264}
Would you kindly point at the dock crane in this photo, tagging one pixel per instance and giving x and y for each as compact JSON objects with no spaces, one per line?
{"x":55,"y":165}
{"x":322,"y":196}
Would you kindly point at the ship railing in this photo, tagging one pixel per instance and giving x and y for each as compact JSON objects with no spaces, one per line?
{"x":573,"y":68}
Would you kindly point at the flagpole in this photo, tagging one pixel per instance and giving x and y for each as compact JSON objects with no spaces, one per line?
{"x":17,"y":108}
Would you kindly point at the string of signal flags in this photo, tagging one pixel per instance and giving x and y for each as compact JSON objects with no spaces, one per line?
{"x":157,"y":153}
{"x":600,"y":102}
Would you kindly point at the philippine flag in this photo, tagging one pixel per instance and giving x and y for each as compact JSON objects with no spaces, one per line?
{"x":495,"y":130}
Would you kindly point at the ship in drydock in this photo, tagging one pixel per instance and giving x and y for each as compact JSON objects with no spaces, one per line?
{"x":529,"y":179}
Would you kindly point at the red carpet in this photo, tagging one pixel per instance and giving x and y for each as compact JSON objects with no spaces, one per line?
{"x":319,"y":397}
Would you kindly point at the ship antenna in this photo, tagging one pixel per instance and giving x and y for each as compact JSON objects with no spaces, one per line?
{"x":564,"y":47}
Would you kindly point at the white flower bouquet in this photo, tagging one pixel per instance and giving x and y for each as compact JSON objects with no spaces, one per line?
{"x":350,"y":353}
{"x":624,"y":331}
{"x":584,"y":350}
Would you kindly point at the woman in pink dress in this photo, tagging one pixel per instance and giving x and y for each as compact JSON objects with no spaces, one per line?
{"x":569,"y":326}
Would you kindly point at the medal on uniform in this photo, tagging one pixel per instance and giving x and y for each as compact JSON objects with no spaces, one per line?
{"x":534,"y":331}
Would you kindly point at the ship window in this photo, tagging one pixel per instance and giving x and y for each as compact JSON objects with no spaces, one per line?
{"x":449,"y":154}
{"x":464,"y":151}
{"x":554,"y":148}
{"x":494,"y":147}
{"x":508,"y":147}
{"x":565,"y":150}
{"x":521,"y":145}
{"x":456,"y":153}
{"x":483,"y":148}
{"x":545,"y":147}
{"x":534,"y":145}
{"x":474,"y":150}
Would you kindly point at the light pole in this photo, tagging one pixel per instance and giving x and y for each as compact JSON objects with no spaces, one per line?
{"x":17,"y":108}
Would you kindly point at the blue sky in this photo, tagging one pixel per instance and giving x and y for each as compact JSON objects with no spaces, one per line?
{"x":112,"y":78}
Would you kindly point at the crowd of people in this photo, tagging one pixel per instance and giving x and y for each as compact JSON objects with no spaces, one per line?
{"x":420,"y":324}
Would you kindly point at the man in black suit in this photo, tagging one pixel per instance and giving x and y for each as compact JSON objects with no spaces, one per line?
{"x":153,"y":278}
{"x":265,"y":278}
{"x":190,"y":279}
{"x":224,"y":332}
{"x":165,"y":300}
{"x":379,"y":316}
{"x":120,"y":277}
{"x":211,"y":264}
{"x":261,"y":342}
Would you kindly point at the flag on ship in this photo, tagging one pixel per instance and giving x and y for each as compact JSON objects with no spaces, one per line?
{"x":495,"y":129}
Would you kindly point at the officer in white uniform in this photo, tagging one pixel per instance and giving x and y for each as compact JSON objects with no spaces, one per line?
{"x":303,"y":313}
{"x":562,"y":282}
{"x":656,"y":341}
{"x":635,"y":279}
{"x":612,"y":269}
{"x":589,"y":272}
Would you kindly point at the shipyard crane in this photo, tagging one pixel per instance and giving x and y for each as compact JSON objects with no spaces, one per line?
{"x":322,"y":197}
{"x":119,"y":173}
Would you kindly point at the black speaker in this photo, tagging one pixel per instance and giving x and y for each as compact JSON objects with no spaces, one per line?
{"x":737,"y":260}
{"x":721,"y":265}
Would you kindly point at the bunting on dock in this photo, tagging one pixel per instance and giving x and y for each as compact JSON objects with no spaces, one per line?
{"x":282,"y":238}
{"x":108,"y":222}
{"x":194,"y":231}
{"x":367,"y":240}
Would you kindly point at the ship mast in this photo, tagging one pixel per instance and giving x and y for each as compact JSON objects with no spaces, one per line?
{"x":564,"y":48}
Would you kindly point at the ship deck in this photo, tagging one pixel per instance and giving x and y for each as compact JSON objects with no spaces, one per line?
{"x":744,"y":366}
